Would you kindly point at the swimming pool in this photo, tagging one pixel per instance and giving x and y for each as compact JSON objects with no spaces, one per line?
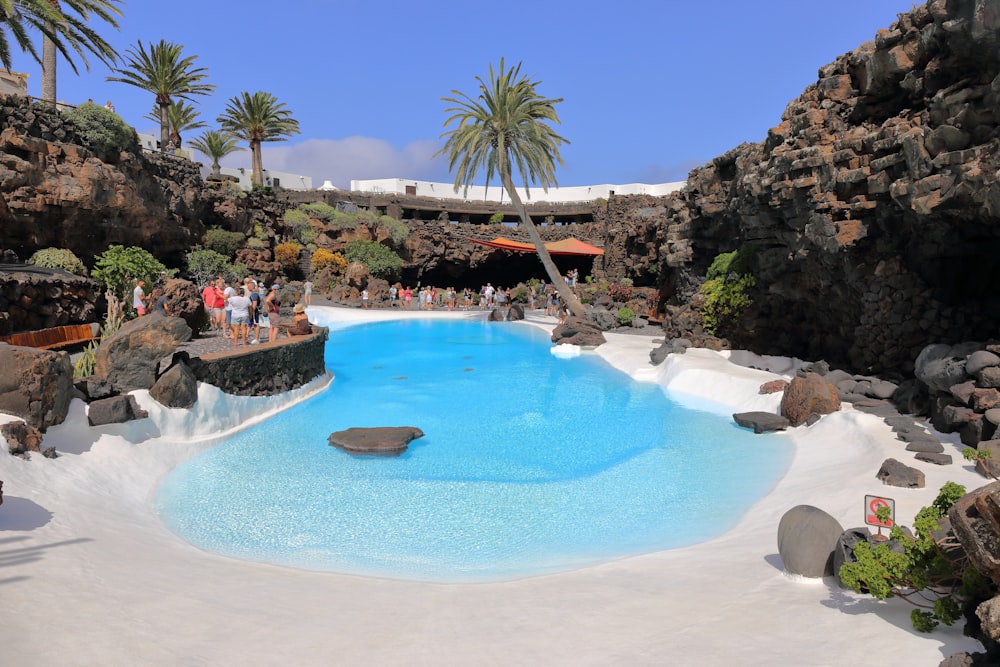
{"x":530,"y":464}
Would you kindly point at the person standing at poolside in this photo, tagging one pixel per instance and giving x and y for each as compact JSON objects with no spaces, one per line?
{"x":408,"y":296}
{"x":208,"y":299}
{"x":229,"y":293}
{"x":139,"y":298}
{"x":219,"y":306}
{"x":239,"y":305}
{"x":263,"y":327}
{"x":256,"y":303}
{"x":393,"y":291}
{"x":273,"y":314}
{"x":364,"y":299}
{"x":307,"y":292}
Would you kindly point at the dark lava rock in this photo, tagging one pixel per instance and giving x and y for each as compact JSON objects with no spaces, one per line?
{"x":761,"y":422}
{"x":380,"y":440}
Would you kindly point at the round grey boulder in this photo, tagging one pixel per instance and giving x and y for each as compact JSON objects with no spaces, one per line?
{"x":807,"y":538}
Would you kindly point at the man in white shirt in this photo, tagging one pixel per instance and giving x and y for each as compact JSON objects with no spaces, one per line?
{"x":139,"y":298}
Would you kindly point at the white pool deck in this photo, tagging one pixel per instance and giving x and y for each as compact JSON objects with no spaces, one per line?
{"x":90,"y":576}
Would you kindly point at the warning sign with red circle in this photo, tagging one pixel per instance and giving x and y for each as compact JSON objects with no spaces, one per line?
{"x":872,"y":505}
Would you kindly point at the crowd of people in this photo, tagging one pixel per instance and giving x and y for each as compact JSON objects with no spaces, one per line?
{"x":250,"y":313}
{"x":247,"y":312}
{"x":543,"y":297}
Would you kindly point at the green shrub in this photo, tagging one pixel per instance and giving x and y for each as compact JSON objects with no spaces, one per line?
{"x":380,"y":260}
{"x":59,"y":258}
{"x":726,"y":289}
{"x":496,"y":218}
{"x":223,"y":242}
{"x":626,"y":282}
{"x":118,"y":268}
{"x":398,"y":230}
{"x":203,"y":265}
{"x":255,"y":243}
{"x":344,"y":220}
{"x":102,"y":131}
{"x":299,"y":223}
{"x":320,"y":211}
{"x":918,"y":570}
{"x":295,"y":217}
{"x":234,"y":190}
{"x":519,"y":294}
{"x":626,"y":316}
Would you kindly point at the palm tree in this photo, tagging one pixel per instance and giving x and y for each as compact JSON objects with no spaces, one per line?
{"x":181,"y":117}
{"x":506,"y":127}
{"x":216,"y":145}
{"x":163,"y":72}
{"x":257,"y":118}
{"x":20,"y":18}
{"x":74,"y":29}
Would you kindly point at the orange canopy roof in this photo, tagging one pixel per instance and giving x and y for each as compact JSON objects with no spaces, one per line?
{"x":568,"y":246}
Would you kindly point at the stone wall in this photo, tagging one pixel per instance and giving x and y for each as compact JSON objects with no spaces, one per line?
{"x":33,"y":298}
{"x":265,"y":370}
{"x":874,"y":206}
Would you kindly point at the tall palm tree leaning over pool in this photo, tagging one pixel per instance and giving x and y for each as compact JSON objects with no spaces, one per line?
{"x":257,"y":118}
{"x":72,"y":26}
{"x":506,"y":127}
{"x":216,"y":145}
{"x":163,"y":72}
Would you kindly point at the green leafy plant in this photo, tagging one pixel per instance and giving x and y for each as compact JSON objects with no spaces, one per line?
{"x":380,"y":260}
{"x":625,"y":316}
{"x":298,"y":221}
{"x":519,"y":294}
{"x":398,"y":230}
{"x":726,"y":289}
{"x":925,"y":570}
{"x":85,"y":363}
{"x":59,"y":258}
{"x":626,"y":282}
{"x":223,"y":242}
{"x":118,"y":268}
{"x":102,"y":131}
{"x":320,"y":211}
{"x":295,"y":217}
{"x":203,"y":265}
{"x":496,"y":218}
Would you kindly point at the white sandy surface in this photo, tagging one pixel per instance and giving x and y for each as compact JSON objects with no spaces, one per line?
{"x":90,"y":576}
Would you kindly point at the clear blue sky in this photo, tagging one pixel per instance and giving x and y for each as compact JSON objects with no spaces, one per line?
{"x":651,"y":88}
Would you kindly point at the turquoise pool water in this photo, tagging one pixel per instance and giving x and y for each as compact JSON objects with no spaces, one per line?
{"x":530,"y":464}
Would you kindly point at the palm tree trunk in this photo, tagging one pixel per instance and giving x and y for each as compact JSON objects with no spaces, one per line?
{"x":257,"y":163}
{"x":543,"y":253}
{"x":49,"y":62}
{"x":164,"y":124}
{"x":48,"y":70}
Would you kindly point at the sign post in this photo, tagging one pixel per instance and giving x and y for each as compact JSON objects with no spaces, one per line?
{"x":872,"y":506}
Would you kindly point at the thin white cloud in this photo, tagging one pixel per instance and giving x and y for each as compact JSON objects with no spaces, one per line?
{"x":353,"y":158}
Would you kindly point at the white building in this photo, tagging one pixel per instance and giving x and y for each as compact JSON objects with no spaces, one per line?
{"x":579,"y":193}
{"x":282,"y":179}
